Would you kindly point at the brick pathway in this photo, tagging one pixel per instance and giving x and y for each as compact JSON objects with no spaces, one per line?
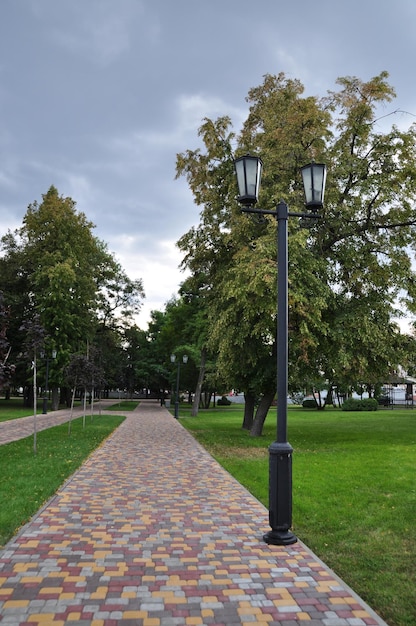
{"x":23,"y":427}
{"x":152,"y":531}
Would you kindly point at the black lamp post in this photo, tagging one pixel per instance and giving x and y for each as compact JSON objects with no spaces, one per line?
{"x":248,"y":169}
{"x":45,"y":395}
{"x":184,"y":360}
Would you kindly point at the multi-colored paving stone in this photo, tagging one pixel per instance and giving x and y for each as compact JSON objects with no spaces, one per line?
{"x":24,"y":426}
{"x":152,"y":531}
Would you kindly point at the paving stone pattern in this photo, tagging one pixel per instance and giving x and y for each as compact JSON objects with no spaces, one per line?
{"x":152,"y":531}
{"x":24,"y":427}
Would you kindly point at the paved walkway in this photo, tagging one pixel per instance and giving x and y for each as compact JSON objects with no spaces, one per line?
{"x":24,"y":426}
{"x":152,"y":531}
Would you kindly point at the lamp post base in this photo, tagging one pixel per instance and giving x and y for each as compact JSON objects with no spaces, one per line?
{"x":280,"y":537}
{"x":45,"y":406}
{"x":280,"y":495}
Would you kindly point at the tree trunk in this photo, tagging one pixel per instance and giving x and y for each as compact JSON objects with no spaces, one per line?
{"x":206,"y":399}
{"x":320,"y":403}
{"x":329,"y":400}
{"x":197,"y":397}
{"x":55,"y":398}
{"x":250,"y":402}
{"x":261,"y":413}
{"x":65,"y":396}
{"x":28,"y":396}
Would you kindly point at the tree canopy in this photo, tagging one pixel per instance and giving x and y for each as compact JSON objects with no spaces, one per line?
{"x":348,"y":272}
{"x":55,"y":269}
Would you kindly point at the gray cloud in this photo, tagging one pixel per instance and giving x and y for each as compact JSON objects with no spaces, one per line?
{"x":97,"y":98}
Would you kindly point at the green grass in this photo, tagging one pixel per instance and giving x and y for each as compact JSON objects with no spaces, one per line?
{"x":14,"y":409}
{"x":354,"y":492}
{"x":123,"y":405}
{"x":28,"y":480}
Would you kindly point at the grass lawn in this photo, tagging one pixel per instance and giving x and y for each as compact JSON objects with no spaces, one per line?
{"x":354,"y":491}
{"x":28,"y":480}
{"x":13,"y":409}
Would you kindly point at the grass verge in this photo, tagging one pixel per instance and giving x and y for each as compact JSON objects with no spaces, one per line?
{"x":14,"y":409}
{"x":28,"y":480}
{"x":354,"y":492}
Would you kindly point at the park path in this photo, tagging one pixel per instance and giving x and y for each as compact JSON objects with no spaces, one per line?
{"x":152,"y":531}
{"x":12,"y":430}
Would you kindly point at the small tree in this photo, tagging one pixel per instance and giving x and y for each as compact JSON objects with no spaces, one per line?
{"x":34,"y":341}
{"x":82,"y":373}
{"x":6,"y":369}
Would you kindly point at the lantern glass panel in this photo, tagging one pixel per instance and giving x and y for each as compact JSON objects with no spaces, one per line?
{"x":248,"y":169}
{"x":314,"y":177}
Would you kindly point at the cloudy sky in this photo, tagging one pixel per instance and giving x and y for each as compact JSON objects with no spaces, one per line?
{"x":98,"y":96}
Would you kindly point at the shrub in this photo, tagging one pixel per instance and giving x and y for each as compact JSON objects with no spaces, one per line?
{"x":363,"y":404}
{"x":309,"y":403}
{"x":223,"y":401}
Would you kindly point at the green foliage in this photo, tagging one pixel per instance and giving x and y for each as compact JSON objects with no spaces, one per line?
{"x":346,"y":271}
{"x":55,"y":268}
{"x":362,"y":404}
{"x":13,"y":409}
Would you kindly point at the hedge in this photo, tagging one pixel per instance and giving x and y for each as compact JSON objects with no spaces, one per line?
{"x":223,"y":401}
{"x":309,"y":404}
{"x":363,"y":404}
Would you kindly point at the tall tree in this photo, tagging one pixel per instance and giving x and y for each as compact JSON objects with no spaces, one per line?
{"x":367,"y":234}
{"x":236,"y":253}
{"x":196,"y":316}
{"x":55,"y":267}
{"x":119,"y":297}
{"x":357,"y":258}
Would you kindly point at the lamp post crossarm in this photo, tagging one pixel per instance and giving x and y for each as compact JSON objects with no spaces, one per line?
{"x":259,"y":211}
{"x":275,"y":213}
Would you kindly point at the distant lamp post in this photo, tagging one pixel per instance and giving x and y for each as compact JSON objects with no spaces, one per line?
{"x":45,"y":395}
{"x":184,"y":360}
{"x":248,"y":169}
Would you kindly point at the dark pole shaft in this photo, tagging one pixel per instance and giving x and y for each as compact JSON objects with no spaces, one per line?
{"x":280,"y":452}
{"x":45,"y":397}
{"x":282,"y":322}
{"x":177,"y":392}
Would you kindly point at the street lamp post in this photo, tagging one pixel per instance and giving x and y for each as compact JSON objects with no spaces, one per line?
{"x":45,"y":395}
{"x":184,"y":360}
{"x":248,"y":170}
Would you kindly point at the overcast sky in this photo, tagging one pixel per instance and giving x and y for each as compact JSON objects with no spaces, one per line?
{"x":98,"y":96}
